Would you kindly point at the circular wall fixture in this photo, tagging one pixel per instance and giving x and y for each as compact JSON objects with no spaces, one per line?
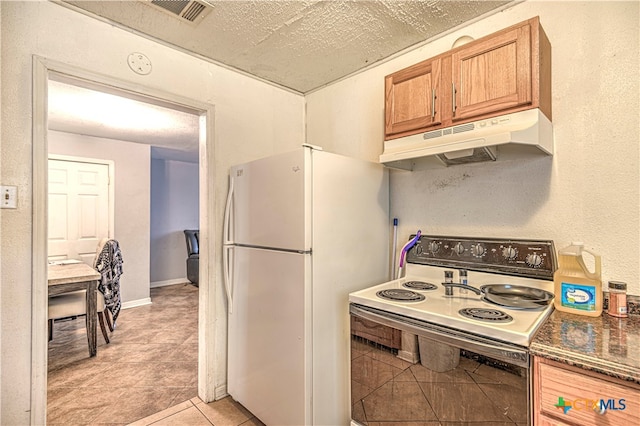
{"x":462,"y":40}
{"x":139,"y":63}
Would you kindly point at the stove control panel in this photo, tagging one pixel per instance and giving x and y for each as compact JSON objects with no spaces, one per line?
{"x":528,"y":258}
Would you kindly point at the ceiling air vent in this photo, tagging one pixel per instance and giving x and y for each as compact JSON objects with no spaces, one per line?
{"x":186,"y":10}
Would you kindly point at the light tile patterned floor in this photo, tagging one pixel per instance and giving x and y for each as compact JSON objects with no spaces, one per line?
{"x":225,"y":412}
{"x":149,"y":367}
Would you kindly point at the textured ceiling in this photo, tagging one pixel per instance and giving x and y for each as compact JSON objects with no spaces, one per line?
{"x":301,"y":45}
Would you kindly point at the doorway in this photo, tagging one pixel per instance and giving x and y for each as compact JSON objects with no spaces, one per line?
{"x":44,"y":70}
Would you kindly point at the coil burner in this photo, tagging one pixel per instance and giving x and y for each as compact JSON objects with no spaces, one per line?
{"x":400,"y":295}
{"x":419,"y":285}
{"x":487,"y":315}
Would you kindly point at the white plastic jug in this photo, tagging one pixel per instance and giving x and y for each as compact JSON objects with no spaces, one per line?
{"x":577,"y":290}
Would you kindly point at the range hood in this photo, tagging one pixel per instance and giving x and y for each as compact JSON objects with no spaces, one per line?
{"x":528,"y":130}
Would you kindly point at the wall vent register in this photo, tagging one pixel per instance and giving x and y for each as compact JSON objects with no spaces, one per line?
{"x":190,"y":11}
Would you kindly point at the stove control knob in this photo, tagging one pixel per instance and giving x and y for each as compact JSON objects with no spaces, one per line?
{"x":478,"y":250}
{"x":458,"y":249}
{"x":434,"y":247}
{"x":534,"y":260}
{"x":509,"y":253}
{"x":418,"y":249}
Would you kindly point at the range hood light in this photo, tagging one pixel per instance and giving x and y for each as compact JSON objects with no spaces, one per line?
{"x":458,"y":154}
{"x":465,"y":156}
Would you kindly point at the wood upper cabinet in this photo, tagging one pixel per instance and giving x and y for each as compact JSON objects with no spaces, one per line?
{"x":581,"y":389}
{"x":502,"y":73}
{"x":492,"y":75}
{"x":412,"y":98}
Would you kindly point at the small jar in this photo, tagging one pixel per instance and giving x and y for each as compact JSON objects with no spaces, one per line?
{"x":463,"y":280}
{"x":617,"y":299}
{"x":448,"y":279}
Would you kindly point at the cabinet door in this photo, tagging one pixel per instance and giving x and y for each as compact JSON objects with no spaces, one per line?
{"x":413,"y":98}
{"x":492,"y":75}
{"x":579,"y":389}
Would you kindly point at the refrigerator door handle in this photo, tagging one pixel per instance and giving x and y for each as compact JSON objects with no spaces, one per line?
{"x":228,"y":217}
{"x":227,"y":259}
{"x":227,"y":247}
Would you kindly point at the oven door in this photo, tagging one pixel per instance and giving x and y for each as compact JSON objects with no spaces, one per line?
{"x":460,"y":377}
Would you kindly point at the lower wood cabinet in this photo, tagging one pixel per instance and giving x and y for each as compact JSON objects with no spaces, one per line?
{"x":567,"y":395}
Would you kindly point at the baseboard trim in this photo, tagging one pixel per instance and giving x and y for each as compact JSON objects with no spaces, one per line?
{"x":168,"y":282}
{"x":136,"y":303}
{"x":221,"y":391}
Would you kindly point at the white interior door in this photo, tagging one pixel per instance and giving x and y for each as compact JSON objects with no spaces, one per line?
{"x":79,"y":208}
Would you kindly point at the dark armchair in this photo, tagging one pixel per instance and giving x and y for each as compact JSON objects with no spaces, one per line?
{"x":193,"y":254}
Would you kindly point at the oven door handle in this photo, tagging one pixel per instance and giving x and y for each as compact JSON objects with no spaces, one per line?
{"x":508,"y":353}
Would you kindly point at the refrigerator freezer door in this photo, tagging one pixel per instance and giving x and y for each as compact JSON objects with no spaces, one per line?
{"x":271,"y":202}
{"x":268,"y":333}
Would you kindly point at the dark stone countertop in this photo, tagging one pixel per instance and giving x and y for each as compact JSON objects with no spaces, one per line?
{"x":603,"y":344}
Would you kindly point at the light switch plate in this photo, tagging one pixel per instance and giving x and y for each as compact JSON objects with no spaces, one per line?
{"x":8,"y":197}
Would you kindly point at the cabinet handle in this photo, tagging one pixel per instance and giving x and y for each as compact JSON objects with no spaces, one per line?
{"x":600,"y":409}
{"x":433,"y":104}
{"x":453,"y":91}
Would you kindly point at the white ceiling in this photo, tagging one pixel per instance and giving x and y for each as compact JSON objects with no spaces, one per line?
{"x":87,"y":111}
{"x":300,"y":45}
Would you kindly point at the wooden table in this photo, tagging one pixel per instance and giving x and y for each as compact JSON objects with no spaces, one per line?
{"x":64,"y":278}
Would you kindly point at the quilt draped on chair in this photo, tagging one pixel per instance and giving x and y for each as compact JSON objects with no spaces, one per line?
{"x":109,"y":265}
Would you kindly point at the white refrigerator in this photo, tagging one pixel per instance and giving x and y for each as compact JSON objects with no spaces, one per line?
{"x":302,"y":230}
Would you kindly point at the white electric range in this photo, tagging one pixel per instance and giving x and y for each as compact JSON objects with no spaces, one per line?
{"x":503,"y":323}
{"x":487,"y":261}
{"x":451,"y":324}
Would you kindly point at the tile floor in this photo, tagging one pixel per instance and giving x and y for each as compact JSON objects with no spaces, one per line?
{"x":146,"y":375}
{"x":387,"y":390}
{"x":225,"y":412}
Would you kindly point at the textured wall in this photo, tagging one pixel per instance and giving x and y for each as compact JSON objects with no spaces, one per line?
{"x":132,"y":194}
{"x":587,"y":191}
{"x":252,"y":120}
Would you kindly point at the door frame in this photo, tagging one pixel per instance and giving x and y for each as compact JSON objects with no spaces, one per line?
{"x":42,"y":70}
{"x":112,"y":193}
